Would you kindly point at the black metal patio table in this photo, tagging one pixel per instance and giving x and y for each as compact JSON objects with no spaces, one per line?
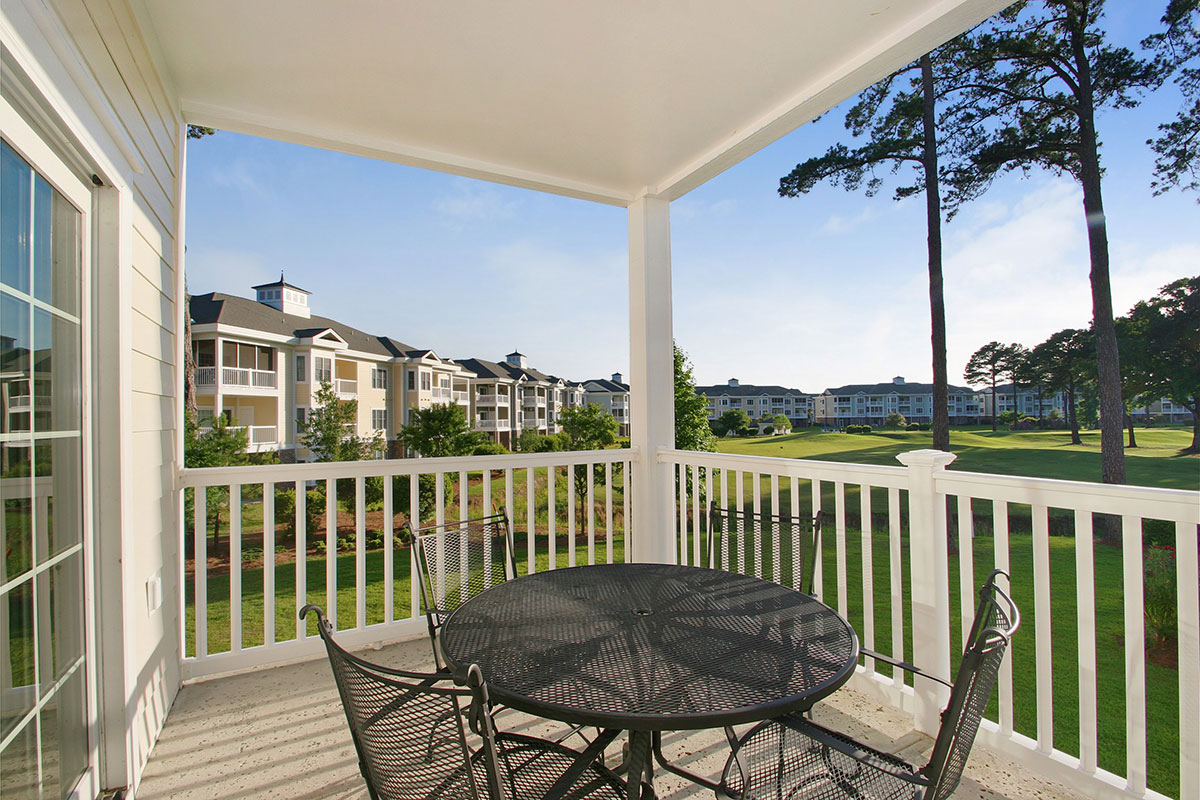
{"x":651,"y":647}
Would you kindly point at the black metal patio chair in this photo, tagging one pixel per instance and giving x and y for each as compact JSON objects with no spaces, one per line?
{"x":792,"y":757}
{"x":458,"y":560}
{"x":397,"y":721}
{"x":733,"y":533}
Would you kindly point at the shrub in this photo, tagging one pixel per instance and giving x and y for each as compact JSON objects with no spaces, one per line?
{"x":895,"y":420}
{"x":925,"y":426}
{"x":770,"y":429}
{"x":864,"y":429}
{"x":1025,"y":424}
{"x":489,"y":448}
{"x":913,"y":426}
{"x":1007,"y":418}
{"x":1159,"y":592}
{"x":314,"y":507}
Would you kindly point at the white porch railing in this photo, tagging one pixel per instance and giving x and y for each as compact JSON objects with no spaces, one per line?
{"x":919,"y":608}
{"x":240,"y":612}
{"x":236,"y":376}
{"x":347,"y":386}
{"x":206,"y":376}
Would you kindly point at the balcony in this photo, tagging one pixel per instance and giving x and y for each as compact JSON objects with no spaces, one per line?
{"x":462,"y":398}
{"x":347,"y":387}
{"x":260,"y":437}
{"x":493,"y":425}
{"x":491,"y":400}
{"x":894,"y":580}
{"x":235,"y":379}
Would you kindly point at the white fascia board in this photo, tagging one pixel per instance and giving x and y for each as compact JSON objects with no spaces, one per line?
{"x":329,"y":138}
{"x":219,"y":329}
{"x":940,"y":24}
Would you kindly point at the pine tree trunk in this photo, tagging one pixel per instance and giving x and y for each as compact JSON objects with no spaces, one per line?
{"x":1195,"y":448}
{"x":1108,"y":362}
{"x":995,"y":405}
{"x":1072,"y":418}
{"x":937,"y":302}
{"x":1129,"y":421}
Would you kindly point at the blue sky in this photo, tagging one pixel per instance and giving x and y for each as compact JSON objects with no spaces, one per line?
{"x":812,"y":292}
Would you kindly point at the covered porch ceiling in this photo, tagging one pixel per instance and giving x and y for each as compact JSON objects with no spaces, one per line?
{"x":606,"y":100}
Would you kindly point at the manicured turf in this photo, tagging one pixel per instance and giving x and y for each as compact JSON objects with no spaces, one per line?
{"x":1042,"y":454}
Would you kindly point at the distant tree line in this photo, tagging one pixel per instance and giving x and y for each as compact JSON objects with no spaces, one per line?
{"x":1159,"y":347}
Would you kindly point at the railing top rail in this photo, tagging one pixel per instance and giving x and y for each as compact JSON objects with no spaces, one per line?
{"x":876,"y":475}
{"x":282,"y":473}
{"x":1182,"y":505}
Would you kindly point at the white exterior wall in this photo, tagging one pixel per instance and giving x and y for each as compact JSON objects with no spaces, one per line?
{"x":89,"y":67}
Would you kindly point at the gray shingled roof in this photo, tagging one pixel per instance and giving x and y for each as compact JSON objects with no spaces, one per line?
{"x":242,"y":312}
{"x":748,"y":390}
{"x":893,"y":388}
{"x":607,"y":385}
{"x":484,"y":369}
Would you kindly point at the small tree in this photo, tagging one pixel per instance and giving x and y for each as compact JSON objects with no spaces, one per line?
{"x":439,"y":431}
{"x":330,"y":431}
{"x":1166,"y":353}
{"x":987,"y":365}
{"x":1065,"y":359}
{"x":780,"y":422}
{"x":587,"y":427}
{"x":734,"y":422}
{"x":895,"y":420}
{"x":220,"y":445}
{"x":691,"y":409}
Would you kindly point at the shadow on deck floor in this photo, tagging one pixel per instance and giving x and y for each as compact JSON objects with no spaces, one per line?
{"x":280,"y":732}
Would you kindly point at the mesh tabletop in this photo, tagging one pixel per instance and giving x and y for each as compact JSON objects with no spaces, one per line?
{"x":651,"y":646}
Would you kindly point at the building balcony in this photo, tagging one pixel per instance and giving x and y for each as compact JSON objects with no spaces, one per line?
{"x":493,"y":425}
{"x":995,"y":521}
{"x":236,"y":380}
{"x":261,"y":438}
{"x":346,"y":387}
{"x":462,"y":398}
{"x":491,"y":400}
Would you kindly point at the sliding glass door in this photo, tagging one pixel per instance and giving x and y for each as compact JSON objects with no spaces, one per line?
{"x":44,"y":667}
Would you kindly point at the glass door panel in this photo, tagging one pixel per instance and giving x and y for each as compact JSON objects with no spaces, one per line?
{"x":44,"y":748}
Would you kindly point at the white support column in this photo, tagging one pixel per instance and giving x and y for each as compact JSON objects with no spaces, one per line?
{"x":651,"y":379}
{"x":930,"y":583}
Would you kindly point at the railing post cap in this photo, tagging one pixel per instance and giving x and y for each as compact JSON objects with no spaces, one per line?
{"x":926,"y":458}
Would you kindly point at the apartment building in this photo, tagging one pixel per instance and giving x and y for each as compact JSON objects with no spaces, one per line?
{"x":758,"y":401}
{"x":872,"y":403}
{"x":1029,"y":403}
{"x":260,"y":363}
{"x":613,"y":395}
{"x":509,"y":397}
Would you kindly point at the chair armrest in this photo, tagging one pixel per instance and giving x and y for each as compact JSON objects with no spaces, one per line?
{"x":883,"y":762}
{"x":904,"y":665}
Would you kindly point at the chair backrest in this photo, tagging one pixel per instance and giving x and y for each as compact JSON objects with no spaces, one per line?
{"x":458,"y":560}
{"x":408,"y":727}
{"x":739,"y":541}
{"x":996,"y":619}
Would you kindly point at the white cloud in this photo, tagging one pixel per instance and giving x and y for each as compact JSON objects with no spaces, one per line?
{"x":473,"y":201}
{"x":838,"y":224}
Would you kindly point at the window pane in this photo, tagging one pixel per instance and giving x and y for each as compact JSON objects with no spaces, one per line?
{"x":42,"y":201}
{"x":206,"y":354}
{"x":16,"y":490}
{"x":56,"y":381}
{"x":301,"y":377}
{"x":15,"y":365}
{"x":20,"y":697}
{"x":64,"y":739}
{"x":15,"y":216}
{"x":61,"y":586}
{"x":266,"y":359}
{"x":20,"y":766}
{"x":247,"y":353}
{"x":229,"y":352}
{"x":58,"y":472}
{"x":65,"y":236}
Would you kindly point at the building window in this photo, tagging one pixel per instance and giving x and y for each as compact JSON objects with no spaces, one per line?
{"x":379,"y":419}
{"x":378,"y":378}
{"x":323,"y":369}
{"x":301,"y":369}
{"x":301,"y":416}
{"x":425,"y":381}
{"x":412,"y":380}
{"x":206,"y":353}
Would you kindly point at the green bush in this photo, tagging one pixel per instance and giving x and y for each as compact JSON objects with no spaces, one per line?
{"x":489,"y":448}
{"x":1160,"y":604}
{"x":913,"y":426}
{"x":314,"y":506}
{"x":925,"y":426}
{"x":895,"y":420}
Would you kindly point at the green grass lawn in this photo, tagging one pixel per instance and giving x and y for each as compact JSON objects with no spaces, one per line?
{"x":1040,"y":454}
